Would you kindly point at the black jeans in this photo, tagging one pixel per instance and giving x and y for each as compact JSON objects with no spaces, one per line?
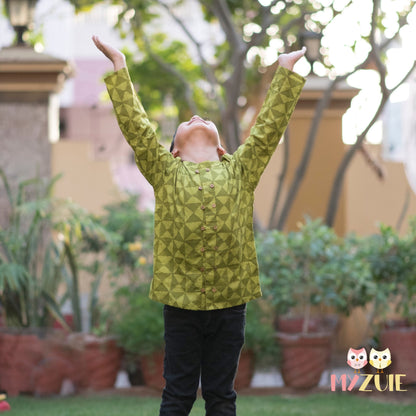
{"x":206,"y":344}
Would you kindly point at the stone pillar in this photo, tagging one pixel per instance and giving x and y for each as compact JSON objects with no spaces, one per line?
{"x":29,"y":116}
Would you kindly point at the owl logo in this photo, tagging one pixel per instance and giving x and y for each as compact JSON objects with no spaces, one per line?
{"x":357,"y":359}
{"x":380,"y":359}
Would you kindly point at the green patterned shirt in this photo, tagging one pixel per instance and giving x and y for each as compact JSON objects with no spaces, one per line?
{"x":204,"y":252}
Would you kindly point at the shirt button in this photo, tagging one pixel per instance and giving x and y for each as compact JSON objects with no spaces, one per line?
{"x":197,"y":171}
{"x":214,"y":205}
{"x":212,"y":185}
{"x":207,"y":170}
{"x":200,"y":188}
{"x":203,"y":228}
{"x":214,"y":290}
{"x":214,"y":227}
{"x":202,"y":207}
{"x":215,"y":248}
{"x":202,"y":249}
{"x":202,"y":269}
{"x":202,"y":290}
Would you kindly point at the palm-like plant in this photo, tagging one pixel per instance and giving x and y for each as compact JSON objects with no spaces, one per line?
{"x":30,"y":262}
{"x":33,"y":264}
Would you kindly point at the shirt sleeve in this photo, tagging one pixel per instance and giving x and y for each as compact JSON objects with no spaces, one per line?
{"x":282,"y":96}
{"x":151,"y":157}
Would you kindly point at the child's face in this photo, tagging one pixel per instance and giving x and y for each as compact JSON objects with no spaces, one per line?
{"x":196,"y":138}
{"x":196,"y":129}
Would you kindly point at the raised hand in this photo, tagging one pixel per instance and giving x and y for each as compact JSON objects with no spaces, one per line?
{"x":114,"y":55}
{"x":288,"y":60}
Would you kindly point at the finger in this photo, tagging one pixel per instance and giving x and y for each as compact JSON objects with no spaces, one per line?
{"x":95,"y":40}
{"x":300,"y":52}
{"x":98,"y":42}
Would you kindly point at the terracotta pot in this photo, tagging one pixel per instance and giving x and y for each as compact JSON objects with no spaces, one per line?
{"x":30,"y":364}
{"x":294,"y":325}
{"x":304,"y":358}
{"x":102,"y":361}
{"x":152,"y":368}
{"x":21,"y":352}
{"x":58,"y":364}
{"x":402,"y":345}
{"x":245,"y":370}
{"x":327,"y":323}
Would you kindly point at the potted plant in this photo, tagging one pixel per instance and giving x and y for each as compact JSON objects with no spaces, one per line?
{"x":306,"y":274}
{"x":97,"y":356}
{"x":40,"y":253}
{"x":393,"y":266}
{"x":128,"y":259}
{"x":131,"y":254}
{"x":138,"y":324}
{"x":31,"y":265}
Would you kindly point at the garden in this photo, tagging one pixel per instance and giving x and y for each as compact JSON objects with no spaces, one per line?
{"x":59,"y":326}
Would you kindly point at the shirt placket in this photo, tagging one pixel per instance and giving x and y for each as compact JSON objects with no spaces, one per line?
{"x":208,"y":230}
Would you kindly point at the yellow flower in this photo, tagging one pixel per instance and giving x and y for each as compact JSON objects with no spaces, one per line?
{"x":137,"y":246}
{"x":142,"y":260}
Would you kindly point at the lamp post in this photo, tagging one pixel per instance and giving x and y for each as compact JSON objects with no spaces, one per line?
{"x":20,"y":13}
{"x":312,"y":41}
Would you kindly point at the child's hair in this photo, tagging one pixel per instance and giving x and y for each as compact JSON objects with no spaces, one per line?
{"x":172,"y":143}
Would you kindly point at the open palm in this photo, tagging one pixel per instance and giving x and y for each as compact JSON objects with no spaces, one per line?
{"x":288,"y":60}
{"x":113,"y":54}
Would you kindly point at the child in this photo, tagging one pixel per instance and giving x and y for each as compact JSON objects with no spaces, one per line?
{"x":205,"y":265}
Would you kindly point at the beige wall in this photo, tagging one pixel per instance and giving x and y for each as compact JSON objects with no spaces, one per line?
{"x":328,"y":150}
{"x":371,"y":200}
{"x":89,"y":183}
{"x":365,"y":200}
{"x":86,"y":181}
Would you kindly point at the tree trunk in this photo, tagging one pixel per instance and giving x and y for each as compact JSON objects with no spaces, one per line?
{"x":303,"y":164}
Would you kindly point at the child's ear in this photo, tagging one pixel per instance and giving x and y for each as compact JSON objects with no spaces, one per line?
{"x":221,"y":151}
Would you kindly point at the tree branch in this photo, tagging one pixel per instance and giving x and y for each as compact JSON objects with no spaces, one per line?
{"x":209,"y":73}
{"x":220,"y":9}
{"x":372,"y":162}
{"x":172,"y":70}
{"x":339,"y":178}
{"x":375,"y":49}
{"x":232,"y":84}
{"x":281,"y":178}
{"x":266,"y":21}
{"x":303,"y":164}
{"x":403,"y":212}
{"x":311,"y":137}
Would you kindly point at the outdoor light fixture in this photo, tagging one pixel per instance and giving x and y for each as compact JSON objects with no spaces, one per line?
{"x":312,"y":41}
{"x":20,"y":13}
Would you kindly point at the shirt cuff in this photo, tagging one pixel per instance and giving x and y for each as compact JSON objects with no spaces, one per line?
{"x":291,"y":73}
{"x":123,"y":73}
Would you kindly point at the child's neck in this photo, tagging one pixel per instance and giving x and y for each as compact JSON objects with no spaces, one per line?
{"x":200,"y":154}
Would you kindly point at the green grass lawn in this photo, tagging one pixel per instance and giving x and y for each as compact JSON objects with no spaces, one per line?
{"x":330,"y":404}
